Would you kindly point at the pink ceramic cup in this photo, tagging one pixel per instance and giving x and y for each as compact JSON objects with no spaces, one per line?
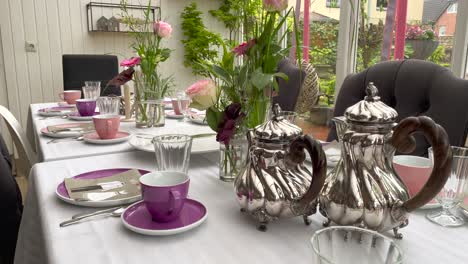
{"x":164,"y":194}
{"x":70,"y":96}
{"x":414,"y":171}
{"x":175,"y":105}
{"x":106,"y":126}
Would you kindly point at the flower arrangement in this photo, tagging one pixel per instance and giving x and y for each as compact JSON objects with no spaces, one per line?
{"x":150,"y":84}
{"x":248,"y":86}
{"x":417,"y":32}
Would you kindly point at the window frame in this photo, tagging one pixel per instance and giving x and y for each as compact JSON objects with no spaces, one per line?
{"x":449,"y":11}
{"x":328,"y":4}
{"x":445,"y":31}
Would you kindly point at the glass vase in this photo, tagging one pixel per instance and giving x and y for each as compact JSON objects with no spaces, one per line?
{"x":149,"y":114}
{"x":232,"y":157}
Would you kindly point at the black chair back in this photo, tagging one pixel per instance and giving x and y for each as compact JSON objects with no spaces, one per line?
{"x":78,"y":68}
{"x":289,"y":89}
{"x":413,"y":88}
{"x":11,"y":206}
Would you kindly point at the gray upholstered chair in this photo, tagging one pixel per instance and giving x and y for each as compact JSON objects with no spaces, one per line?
{"x":289,"y":89}
{"x":413,"y":87}
{"x":78,"y":68}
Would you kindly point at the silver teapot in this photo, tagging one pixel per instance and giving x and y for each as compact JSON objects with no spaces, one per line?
{"x":364,"y":189}
{"x":275,"y":182}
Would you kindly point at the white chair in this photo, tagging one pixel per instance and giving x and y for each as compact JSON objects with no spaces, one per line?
{"x":25,"y":151}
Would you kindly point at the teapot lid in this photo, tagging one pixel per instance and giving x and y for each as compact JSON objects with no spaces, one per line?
{"x":277,"y":129}
{"x":371,"y":109}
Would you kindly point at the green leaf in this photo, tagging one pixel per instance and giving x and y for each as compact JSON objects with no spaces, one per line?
{"x":260,"y":80}
{"x":213,"y":117}
{"x":281,"y":75}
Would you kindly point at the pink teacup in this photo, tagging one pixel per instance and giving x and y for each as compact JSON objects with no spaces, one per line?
{"x":106,"y":126}
{"x":175,"y":105}
{"x":70,"y":96}
{"x":414,"y":171}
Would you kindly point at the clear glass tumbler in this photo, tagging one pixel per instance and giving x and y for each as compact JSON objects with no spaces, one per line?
{"x":454,"y":189}
{"x":172,"y":152}
{"x":108,"y":105}
{"x":349,"y":244}
{"x":92,"y":91}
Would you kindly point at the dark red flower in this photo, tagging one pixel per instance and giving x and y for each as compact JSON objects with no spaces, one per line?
{"x":231,"y":116}
{"x":122,"y":78}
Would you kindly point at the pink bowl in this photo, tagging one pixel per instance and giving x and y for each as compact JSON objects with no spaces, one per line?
{"x":414,"y":171}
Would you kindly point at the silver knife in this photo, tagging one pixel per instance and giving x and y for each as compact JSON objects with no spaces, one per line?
{"x":99,"y":186}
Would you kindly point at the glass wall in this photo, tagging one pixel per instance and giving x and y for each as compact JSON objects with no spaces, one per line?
{"x":429,"y":35}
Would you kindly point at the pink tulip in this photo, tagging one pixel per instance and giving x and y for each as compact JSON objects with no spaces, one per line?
{"x":162,"y":29}
{"x":130,"y":62}
{"x":275,"y":5}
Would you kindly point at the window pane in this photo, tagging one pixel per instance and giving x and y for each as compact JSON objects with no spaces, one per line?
{"x":429,"y":36}
{"x":333,"y":3}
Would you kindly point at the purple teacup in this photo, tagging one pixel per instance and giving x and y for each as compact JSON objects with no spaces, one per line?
{"x":164,"y":194}
{"x":86,"y":107}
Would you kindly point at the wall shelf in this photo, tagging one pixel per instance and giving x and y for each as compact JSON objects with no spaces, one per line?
{"x":107,"y":17}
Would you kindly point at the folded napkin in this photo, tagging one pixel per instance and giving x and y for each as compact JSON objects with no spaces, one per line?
{"x":130,"y":188}
{"x":84,"y":127}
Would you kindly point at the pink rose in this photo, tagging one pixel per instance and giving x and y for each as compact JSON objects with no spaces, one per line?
{"x":130,"y":62}
{"x":203,"y":94}
{"x":162,"y":29}
{"x":275,"y":5}
{"x":243,"y":48}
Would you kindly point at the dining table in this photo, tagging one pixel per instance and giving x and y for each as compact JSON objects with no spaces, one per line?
{"x":227,"y":235}
{"x":70,"y":149}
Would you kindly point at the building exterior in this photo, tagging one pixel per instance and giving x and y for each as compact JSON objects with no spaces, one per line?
{"x":375,"y":9}
{"x":442,"y":14}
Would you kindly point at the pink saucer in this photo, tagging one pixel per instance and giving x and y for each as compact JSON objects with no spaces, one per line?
{"x":137,"y":218}
{"x":94,"y":138}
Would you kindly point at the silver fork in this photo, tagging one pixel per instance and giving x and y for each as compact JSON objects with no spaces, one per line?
{"x":58,"y":140}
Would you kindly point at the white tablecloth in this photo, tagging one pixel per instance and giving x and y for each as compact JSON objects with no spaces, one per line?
{"x":227,"y":236}
{"x":77,"y":149}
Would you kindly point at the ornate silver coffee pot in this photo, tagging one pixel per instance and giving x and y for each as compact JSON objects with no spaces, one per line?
{"x":274,"y":182}
{"x":363,"y":189}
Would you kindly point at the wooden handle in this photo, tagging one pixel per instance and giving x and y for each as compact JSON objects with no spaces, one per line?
{"x":319,"y":165}
{"x":404,"y":142}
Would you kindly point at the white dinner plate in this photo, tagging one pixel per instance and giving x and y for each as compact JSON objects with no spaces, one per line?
{"x":56,"y":111}
{"x":173,"y":115}
{"x":76,"y":116}
{"x":198,"y":119}
{"x":199,"y":145}
{"x":94,"y":138}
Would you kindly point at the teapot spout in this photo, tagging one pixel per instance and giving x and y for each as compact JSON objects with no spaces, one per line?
{"x":341,"y":126}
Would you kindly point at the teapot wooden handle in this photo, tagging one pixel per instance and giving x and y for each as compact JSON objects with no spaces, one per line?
{"x":319,"y":165}
{"x":404,"y":142}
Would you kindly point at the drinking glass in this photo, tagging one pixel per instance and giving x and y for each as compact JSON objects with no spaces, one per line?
{"x":349,"y":244}
{"x":91,"y":92}
{"x":172,"y":152}
{"x":290,"y":116}
{"x":108,"y":105}
{"x":93,"y":83}
{"x":454,"y":189}
{"x":183,"y":102}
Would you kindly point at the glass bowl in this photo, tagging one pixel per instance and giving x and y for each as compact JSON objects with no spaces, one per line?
{"x":348,"y":244}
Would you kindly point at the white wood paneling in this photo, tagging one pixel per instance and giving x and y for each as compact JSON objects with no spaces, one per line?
{"x":60,"y":27}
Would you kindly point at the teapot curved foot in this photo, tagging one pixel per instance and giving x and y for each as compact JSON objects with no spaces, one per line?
{"x":243,"y":210}
{"x":262,"y":227}
{"x":306,"y":220}
{"x":326,"y":223}
{"x":397,"y":234}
